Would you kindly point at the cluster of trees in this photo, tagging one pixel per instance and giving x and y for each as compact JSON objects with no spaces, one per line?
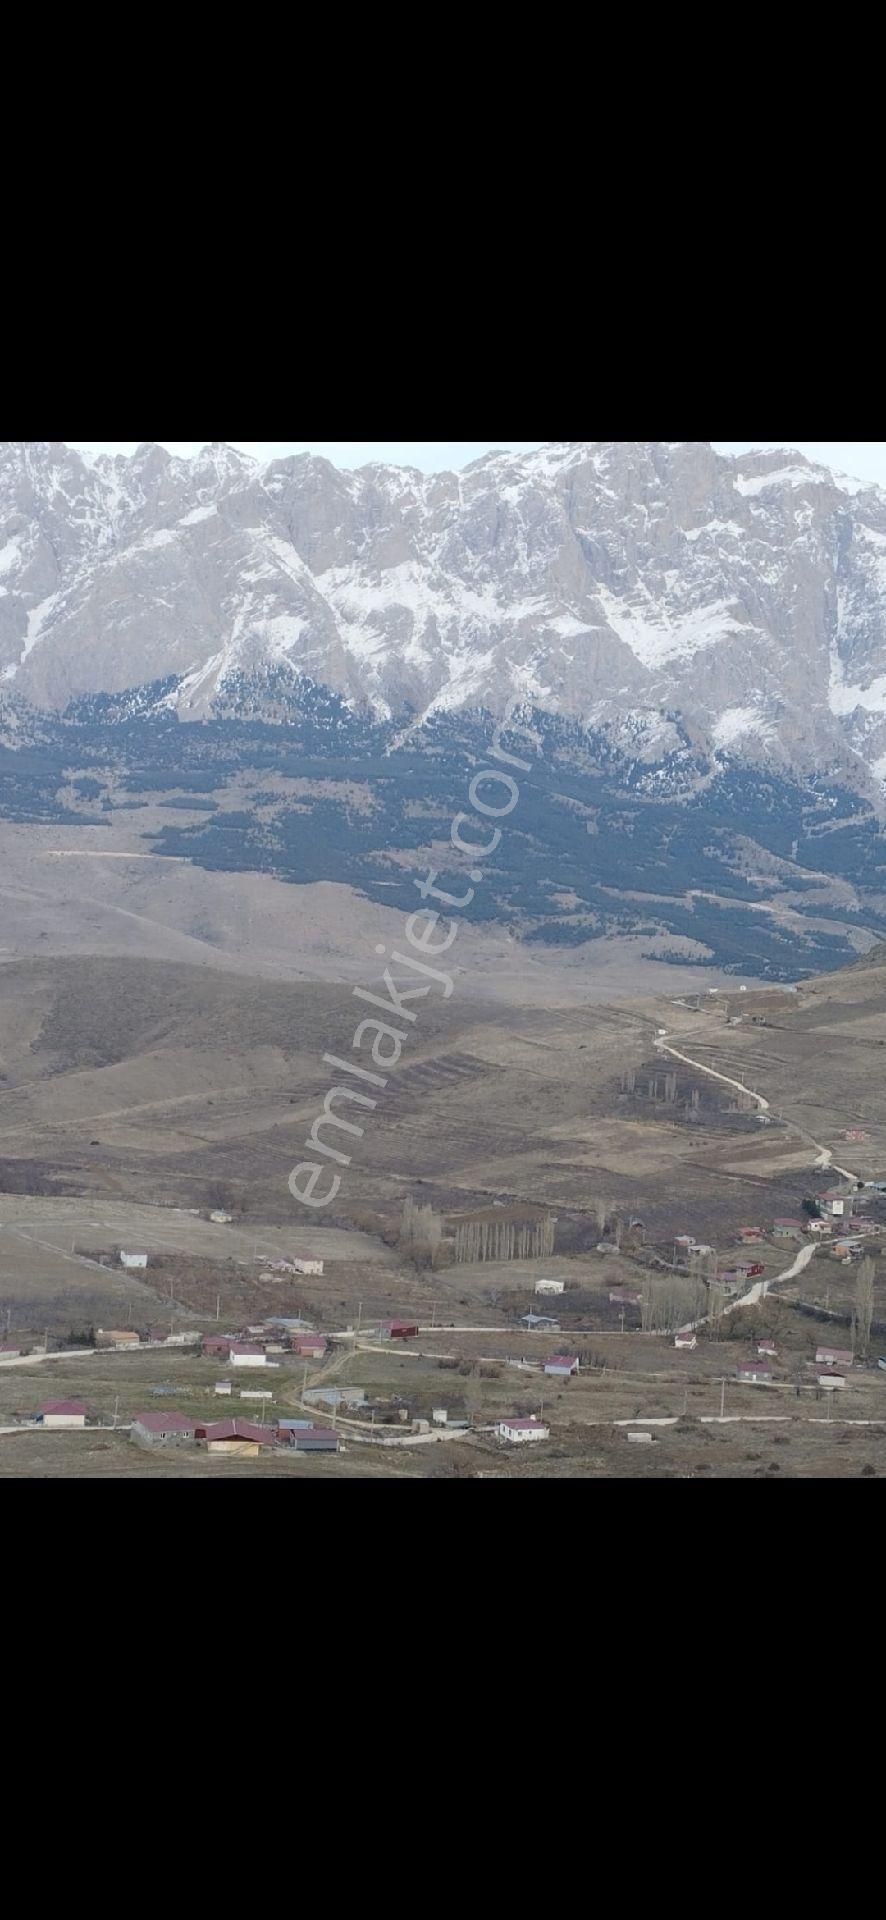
{"x":670,"y":1301}
{"x":421,"y":1234}
{"x":504,"y":1240}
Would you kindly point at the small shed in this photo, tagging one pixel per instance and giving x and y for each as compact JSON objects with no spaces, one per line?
{"x":313,"y":1440}
{"x":399,"y":1329}
{"x":550,"y":1287}
{"x":754,"y":1373}
{"x":789,"y":1229}
{"x":767,"y":1349}
{"x":9,"y":1351}
{"x":248,"y":1357}
{"x":687,"y":1341}
{"x":134,"y":1262}
{"x":563,"y":1366}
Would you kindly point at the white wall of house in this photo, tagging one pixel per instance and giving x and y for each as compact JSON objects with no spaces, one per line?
{"x":62,"y":1420}
{"x":518,"y":1437}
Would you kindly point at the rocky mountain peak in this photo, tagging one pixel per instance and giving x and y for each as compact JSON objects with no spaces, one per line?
{"x":610,"y":582}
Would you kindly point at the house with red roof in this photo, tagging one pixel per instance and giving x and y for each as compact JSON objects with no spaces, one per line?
{"x":563,"y":1366}
{"x":399,"y":1330}
{"x":63,"y":1414}
{"x":166,"y":1429}
{"x":308,"y":1346}
{"x":242,"y":1356}
{"x":237,"y":1437}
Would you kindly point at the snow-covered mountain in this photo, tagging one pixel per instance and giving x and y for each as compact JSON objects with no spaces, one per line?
{"x":630,"y":585}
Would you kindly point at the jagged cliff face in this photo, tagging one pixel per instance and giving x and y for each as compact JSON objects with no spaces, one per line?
{"x":634,"y":586}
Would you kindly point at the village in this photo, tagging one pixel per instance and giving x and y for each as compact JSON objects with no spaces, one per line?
{"x":588,"y":1347}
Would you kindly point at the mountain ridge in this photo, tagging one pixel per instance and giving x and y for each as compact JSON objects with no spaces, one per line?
{"x":648,"y":589}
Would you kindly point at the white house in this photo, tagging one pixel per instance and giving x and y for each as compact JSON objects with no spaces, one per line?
{"x":519,"y":1433}
{"x":686,"y":1341}
{"x":248,"y":1357}
{"x":309,"y":1266}
{"x":62,"y":1414}
{"x":550,"y":1287}
{"x":134,"y":1262}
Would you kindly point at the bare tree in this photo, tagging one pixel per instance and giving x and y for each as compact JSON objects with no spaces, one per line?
{"x":602,"y":1211}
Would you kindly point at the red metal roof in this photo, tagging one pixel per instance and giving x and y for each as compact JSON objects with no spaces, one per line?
{"x":164,"y":1422}
{"x":563,"y":1360}
{"x":236,"y":1430}
{"x":64,"y":1406}
{"x":247,"y":1352}
{"x":522,"y":1426}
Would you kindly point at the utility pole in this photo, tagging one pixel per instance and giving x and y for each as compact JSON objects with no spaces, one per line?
{"x":116,"y":1409}
{"x":722,"y":1397}
{"x":217,"y":1307}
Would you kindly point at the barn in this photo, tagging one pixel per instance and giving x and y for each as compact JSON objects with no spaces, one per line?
{"x":399,"y":1330}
